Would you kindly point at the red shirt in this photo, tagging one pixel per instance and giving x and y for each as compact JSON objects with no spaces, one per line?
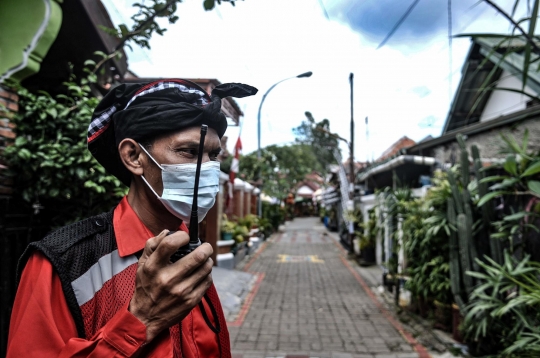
{"x":41,"y":323}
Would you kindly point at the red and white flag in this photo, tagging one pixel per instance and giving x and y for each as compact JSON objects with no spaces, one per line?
{"x":235,"y":165}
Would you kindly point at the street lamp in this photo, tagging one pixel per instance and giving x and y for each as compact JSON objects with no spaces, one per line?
{"x":303,"y":75}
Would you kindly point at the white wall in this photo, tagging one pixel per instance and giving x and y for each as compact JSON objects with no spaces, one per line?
{"x":368,"y":202}
{"x":502,"y":102}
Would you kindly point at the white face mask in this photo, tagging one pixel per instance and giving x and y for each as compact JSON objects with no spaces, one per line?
{"x":178,"y":184}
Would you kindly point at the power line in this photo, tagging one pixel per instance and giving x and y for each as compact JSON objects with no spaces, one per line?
{"x":398,"y":24}
{"x":324,"y":9}
{"x":450,"y":49}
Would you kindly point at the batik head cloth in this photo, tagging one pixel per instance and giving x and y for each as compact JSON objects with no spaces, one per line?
{"x":145,"y":111}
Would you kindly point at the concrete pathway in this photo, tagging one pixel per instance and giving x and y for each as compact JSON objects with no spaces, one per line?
{"x":310,"y":303}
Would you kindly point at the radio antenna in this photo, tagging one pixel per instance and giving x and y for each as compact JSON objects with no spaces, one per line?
{"x":194,"y":219}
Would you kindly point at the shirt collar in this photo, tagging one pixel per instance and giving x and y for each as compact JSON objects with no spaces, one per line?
{"x":131,"y":234}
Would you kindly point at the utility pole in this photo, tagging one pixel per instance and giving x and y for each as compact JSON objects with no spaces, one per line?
{"x":351,"y":80}
{"x":351,"y":189}
{"x":367,"y":140}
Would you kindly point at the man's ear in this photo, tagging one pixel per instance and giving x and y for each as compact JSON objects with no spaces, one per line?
{"x":131,"y":155}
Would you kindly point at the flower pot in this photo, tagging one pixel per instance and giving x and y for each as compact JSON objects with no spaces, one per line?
{"x":253,"y":244}
{"x":367,"y":256}
{"x":224,"y":246}
{"x":423,"y":307}
{"x":226,"y":236}
{"x":240,"y":253}
{"x":442,"y":316}
{"x":457,"y":318}
{"x":413,"y":306}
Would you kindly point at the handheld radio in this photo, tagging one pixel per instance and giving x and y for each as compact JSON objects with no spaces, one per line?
{"x":194,"y":241}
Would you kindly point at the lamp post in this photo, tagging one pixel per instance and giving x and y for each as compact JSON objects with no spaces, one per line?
{"x":303,"y":75}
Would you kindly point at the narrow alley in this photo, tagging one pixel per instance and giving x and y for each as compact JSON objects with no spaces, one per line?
{"x":309,"y":303}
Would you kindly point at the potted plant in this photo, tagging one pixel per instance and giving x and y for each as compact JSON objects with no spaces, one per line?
{"x":266,"y":228}
{"x":226,"y":243}
{"x":252,"y":220}
{"x":240,"y":234}
{"x":368,"y":240}
{"x":227,"y":229}
{"x":367,"y":250}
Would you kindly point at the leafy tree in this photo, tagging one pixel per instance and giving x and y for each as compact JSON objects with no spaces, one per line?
{"x":280,"y":167}
{"x":318,"y":136}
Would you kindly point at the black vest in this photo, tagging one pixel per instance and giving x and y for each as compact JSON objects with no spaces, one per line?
{"x":72,"y":250}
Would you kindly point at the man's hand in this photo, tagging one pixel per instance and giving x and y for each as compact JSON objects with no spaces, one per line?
{"x":166,"y":292}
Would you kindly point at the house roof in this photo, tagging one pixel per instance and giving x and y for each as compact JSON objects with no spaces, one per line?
{"x":401,"y":143}
{"x":100,"y":17}
{"x":485,"y":56}
{"x":479,"y":127}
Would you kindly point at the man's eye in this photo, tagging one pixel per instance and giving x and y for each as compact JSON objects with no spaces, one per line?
{"x":214,"y":155}
{"x":188,"y":151}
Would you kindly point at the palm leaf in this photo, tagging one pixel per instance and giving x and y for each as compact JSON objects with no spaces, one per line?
{"x":528,"y":46}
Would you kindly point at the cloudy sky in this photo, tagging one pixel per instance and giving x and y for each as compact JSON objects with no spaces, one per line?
{"x":405,"y":87}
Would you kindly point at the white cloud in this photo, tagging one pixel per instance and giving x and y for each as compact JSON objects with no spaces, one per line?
{"x":260,"y":42}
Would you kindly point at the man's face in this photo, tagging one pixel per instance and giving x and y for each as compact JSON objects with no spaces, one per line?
{"x":179,"y":148}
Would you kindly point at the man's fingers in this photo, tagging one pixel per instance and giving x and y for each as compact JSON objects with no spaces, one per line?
{"x":186,"y":265}
{"x":168,"y":246}
{"x":152,"y":243}
{"x":197,"y":291}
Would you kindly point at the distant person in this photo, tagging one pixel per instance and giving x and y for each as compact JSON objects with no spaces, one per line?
{"x":105,"y":286}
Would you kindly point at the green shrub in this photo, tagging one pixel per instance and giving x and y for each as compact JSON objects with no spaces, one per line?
{"x":50,"y":159}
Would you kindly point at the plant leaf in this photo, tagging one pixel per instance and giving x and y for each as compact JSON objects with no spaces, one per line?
{"x":534,"y":186}
{"x":528,"y":46}
{"x":516,"y":216}
{"x":531,"y":169}
{"x":510,"y":165}
{"x":490,"y":196}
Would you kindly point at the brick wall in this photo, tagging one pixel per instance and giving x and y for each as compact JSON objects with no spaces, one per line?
{"x":490,"y":143}
{"x":8,"y":108}
{"x":12,"y":218}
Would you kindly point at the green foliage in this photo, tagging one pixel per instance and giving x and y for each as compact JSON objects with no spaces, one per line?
{"x":522,"y":42}
{"x":395,"y":204}
{"x":470,"y":224}
{"x":265,"y":226}
{"x":50,"y":158}
{"x":249,"y":221}
{"x":504,"y":312}
{"x":426,"y":242}
{"x":210,"y":4}
{"x":370,"y":230}
{"x":274,"y":213}
{"x":146,"y":21}
{"x":240,"y":233}
{"x":282,"y":167}
{"x":494,"y":320}
{"x":227,"y":226}
{"x":521,"y":171}
{"x":317,"y":135}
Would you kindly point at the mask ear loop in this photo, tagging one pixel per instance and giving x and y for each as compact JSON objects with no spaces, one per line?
{"x":148,"y":154}
{"x":142,"y":176}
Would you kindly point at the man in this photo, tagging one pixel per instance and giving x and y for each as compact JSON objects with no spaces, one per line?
{"x":106,"y":286}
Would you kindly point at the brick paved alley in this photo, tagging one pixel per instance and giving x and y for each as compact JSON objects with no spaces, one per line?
{"x":309,"y":303}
